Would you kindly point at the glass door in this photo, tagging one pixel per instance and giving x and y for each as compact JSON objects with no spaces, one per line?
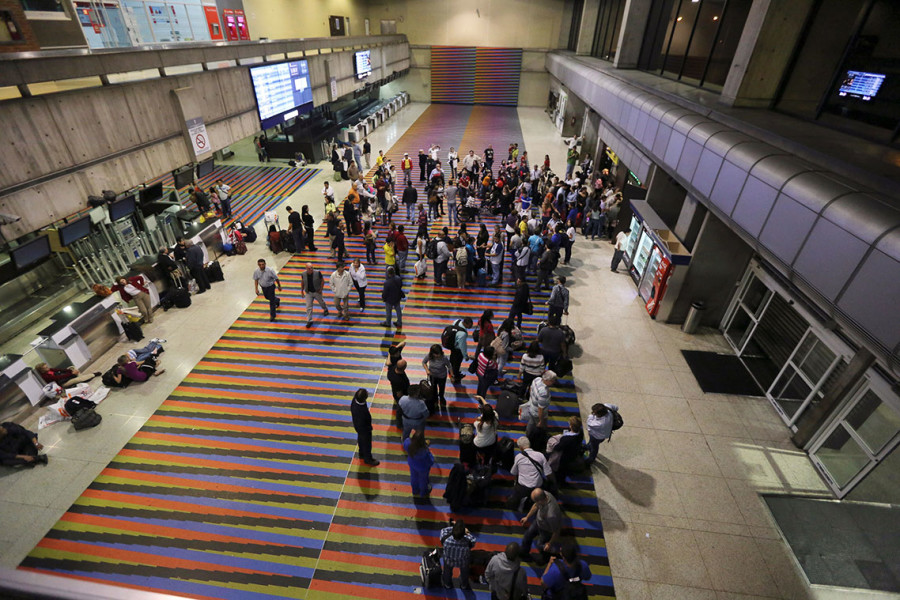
{"x":802,"y":379}
{"x":752,"y":301}
{"x":861,"y":437}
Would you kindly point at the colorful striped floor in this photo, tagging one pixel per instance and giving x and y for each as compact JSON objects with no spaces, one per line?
{"x":254,"y":190}
{"x":245,"y":483}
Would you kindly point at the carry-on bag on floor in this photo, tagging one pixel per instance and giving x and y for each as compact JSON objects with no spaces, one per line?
{"x":85,"y":419}
{"x":507,"y":405}
{"x":214,"y":271}
{"x":132,"y":331}
{"x":563,"y":367}
{"x":450,"y":279}
{"x":181,"y":298}
{"x":506,"y":453}
{"x":287,"y":241}
{"x":430,"y":569}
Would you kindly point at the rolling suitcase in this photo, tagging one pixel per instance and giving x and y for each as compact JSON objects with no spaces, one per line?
{"x":214,"y":271}
{"x":430,"y":569}
{"x":287,"y":241}
{"x":563,"y":367}
{"x":507,"y":405}
{"x":506,"y":453}
{"x":450,"y":279}
{"x":181,"y":298}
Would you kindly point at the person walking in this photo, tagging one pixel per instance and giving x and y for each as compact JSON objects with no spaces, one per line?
{"x":196,"y":265}
{"x":311,"y":285}
{"x":406,"y":166}
{"x":362,"y":423}
{"x":521,"y":303}
{"x":360,"y":281}
{"x":532,"y":364}
{"x":420,"y":460}
{"x":545,"y":519}
{"x":341,"y":283}
{"x":337,"y":242}
{"x":392,"y":294}
{"x":530,"y":470}
{"x":457,"y":543}
{"x":309,"y":224}
{"x":565,"y":575}
{"x":437,"y":366}
{"x":504,"y":574}
{"x":367,"y":152}
{"x":534,"y":412}
{"x":600,"y":424}
{"x":295,"y":228}
{"x":401,"y":247}
{"x":265,"y":277}
{"x":486,"y":369}
{"x":410,"y":198}
{"x":619,"y":252}
{"x":558,"y":303}
{"x":423,"y":166}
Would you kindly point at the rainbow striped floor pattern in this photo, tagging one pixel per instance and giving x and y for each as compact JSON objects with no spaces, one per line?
{"x":254,"y":190}
{"x":245,"y":483}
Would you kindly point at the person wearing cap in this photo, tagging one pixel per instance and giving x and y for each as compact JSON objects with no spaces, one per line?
{"x":534,"y":412}
{"x":406,"y":167}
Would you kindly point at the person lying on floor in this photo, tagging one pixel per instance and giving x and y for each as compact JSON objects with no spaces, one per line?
{"x":19,"y":447}
{"x":63,"y":377}
{"x":154,"y":349}
{"x":137,"y":370}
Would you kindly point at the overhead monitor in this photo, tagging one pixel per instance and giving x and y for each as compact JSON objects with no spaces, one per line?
{"x":205,"y":168}
{"x":31,"y":252}
{"x":363,"y":62}
{"x":183,"y":177}
{"x":151,"y":193}
{"x":121,"y":208}
{"x":74,"y":231}
{"x":283,"y":91}
{"x":861,"y":85}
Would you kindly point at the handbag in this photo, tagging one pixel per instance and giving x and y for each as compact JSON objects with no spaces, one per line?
{"x":529,"y":310}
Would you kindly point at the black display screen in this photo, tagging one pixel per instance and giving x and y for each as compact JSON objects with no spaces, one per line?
{"x":183,"y":178}
{"x":152,"y":193}
{"x":121,"y":208}
{"x":205,"y":168}
{"x":31,"y":252}
{"x":75,"y":231}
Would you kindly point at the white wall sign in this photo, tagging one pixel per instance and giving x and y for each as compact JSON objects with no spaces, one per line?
{"x":334,"y":93}
{"x":199,"y":137}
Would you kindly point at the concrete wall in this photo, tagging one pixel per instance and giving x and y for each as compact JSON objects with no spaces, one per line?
{"x":63,"y":147}
{"x":288,"y":19}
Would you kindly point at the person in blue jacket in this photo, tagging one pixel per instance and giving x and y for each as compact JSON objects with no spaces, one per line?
{"x":420,"y":460}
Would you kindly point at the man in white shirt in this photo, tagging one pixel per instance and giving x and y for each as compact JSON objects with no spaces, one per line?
{"x":469,"y":162}
{"x":328,"y":192}
{"x":341,"y":283}
{"x":621,"y":241}
{"x":223,"y":191}
{"x":434,"y":152}
{"x":531,"y":470}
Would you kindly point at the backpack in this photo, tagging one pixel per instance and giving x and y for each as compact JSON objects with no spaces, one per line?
{"x":85,"y":419}
{"x":617,"y":420}
{"x":448,"y":336}
{"x":108,"y":380}
{"x":431,"y":250}
{"x":572,"y":588}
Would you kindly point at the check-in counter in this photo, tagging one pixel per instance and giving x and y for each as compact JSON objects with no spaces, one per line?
{"x":20,"y":385}
{"x":209,"y":236}
{"x":81,"y":332}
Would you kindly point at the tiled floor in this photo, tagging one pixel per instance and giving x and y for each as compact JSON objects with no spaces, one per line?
{"x":678,"y":488}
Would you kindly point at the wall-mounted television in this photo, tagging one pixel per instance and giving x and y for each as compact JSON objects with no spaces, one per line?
{"x":31,"y":252}
{"x":283,"y":91}
{"x":183,"y":177}
{"x":121,"y":208}
{"x":74,"y":231}
{"x":861,"y":85}
{"x":363,"y":62}
{"x":151,"y":193}
{"x":205,"y":168}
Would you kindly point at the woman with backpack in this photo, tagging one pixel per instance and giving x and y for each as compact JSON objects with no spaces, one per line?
{"x":600,"y":427}
{"x":486,"y":426}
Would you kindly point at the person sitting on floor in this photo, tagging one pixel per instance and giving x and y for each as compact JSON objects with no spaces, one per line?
{"x":64,"y":377}
{"x":137,"y":371}
{"x":19,"y":447}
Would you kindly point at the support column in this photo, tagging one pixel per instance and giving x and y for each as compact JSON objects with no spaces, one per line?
{"x":631,"y":35}
{"x":666,"y":197}
{"x":588,"y":26}
{"x":764,"y":52}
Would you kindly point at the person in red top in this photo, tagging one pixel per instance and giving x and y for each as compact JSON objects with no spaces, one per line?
{"x":485,"y":329}
{"x":63,"y":377}
{"x":401,"y":247}
{"x":134,"y":288}
{"x":487,"y":370}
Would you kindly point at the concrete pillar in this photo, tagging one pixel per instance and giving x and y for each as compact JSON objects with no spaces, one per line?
{"x":189,"y":106}
{"x":764,"y":51}
{"x":631,"y":34}
{"x":588,"y":26}
{"x":666,"y":197}
{"x":690,"y":219}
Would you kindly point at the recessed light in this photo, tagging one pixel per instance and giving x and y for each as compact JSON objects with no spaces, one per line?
{"x":715,"y":18}
{"x":680,"y":19}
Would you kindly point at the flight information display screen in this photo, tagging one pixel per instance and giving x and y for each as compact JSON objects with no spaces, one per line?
{"x":281,"y":88}
{"x":862,"y":85}
{"x":363,"y":63}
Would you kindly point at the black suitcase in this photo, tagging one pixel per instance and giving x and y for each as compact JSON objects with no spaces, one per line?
{"x":132,"y":331}
{"x":450,"y":279}
{"x":506,"y":453}
{"x":214,"y":271}
{"x":562,"y":367}
{"x":430,"y":569}
{"x":508,"y":405}
{"x":181,"y":298}
{"x":85,"y":419}
{"x":538,"y":439}
{"x":428,"y":394}
{"x":287,"y":241}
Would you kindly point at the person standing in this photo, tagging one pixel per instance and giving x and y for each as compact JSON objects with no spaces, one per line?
{"x":311,"y":285}
{"x":535,"y":411}
{"x":565,"y":575}
{"x":134,"y":288}
{"x":558,"y":303}
{"x":450,"y":193}
{"x":367,"y":152}
{"x":357,"y":155}
{"x":398,"y":379}
{"x":423,"y":165}
{"x":196,"y":265}
{"x":265,"y":277}
{"x":223,"y":190}
{"x":532,"y":364}
{"x":437,"y":366}
{"x":362,"y":423}
{"x":360,"y":281}
{"x":457,"y":543}
{"x":600,"y":424}
{"x":410,"y":197}
{"x":392,"y":294}
{"x":401,"y":246}
{"x":442,"y":258}
{"x":406,"y":166}
{"x":461,"y":255}
{"x":486,"y":370}
{"x":460,"y":349}
{"x":452,"y":162}
{"x":489,"y":158}
{"x":496,"y":259}
{"x":619,"y":252}
{"x":341,"y":282}
{"x":504,"y":574}
{"x":295,"y":228}
{"x":548,"y":261}
{"x":420,"y":460}
{"x":530,"y":470}
{"x":337,"y":242}
{"x":309,"y":224}
{"x":521,"y":303}
{"x":546,"y":523}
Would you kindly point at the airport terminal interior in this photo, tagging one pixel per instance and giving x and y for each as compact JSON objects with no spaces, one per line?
{"x":737,"y":305}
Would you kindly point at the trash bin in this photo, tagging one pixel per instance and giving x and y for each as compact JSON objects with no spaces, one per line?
{"x":692,"y":322}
